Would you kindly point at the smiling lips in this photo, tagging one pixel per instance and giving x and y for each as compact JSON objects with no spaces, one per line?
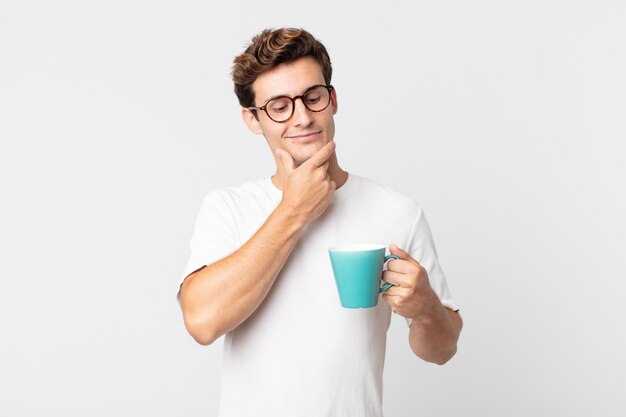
{"x":304,"y":136}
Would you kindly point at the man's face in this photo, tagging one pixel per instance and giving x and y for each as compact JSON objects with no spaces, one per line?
{"x":305,"y":132}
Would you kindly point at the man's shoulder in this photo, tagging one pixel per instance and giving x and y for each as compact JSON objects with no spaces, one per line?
{"x":243,"y":189}
{"x":252,"y":193}
{"x":378,"y":190}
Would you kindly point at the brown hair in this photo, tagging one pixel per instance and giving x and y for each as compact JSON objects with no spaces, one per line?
{"x":273,"y":47}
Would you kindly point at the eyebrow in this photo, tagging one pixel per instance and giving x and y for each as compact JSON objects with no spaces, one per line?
{"x":286,"y":95}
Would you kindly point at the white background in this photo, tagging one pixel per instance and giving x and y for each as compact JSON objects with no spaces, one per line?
{"x":504,"y":119}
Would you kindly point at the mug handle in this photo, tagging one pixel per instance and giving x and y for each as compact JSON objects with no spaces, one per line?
{"x":387,"y":285}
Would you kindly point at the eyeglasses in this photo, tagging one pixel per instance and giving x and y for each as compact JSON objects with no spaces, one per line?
{"x":281,"y":108}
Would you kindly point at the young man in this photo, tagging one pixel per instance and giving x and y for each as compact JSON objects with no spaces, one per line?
{"x":259,"y":270}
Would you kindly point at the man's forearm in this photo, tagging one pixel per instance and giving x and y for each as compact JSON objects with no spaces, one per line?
{"x":434,"y":336}
{"x":220,"y":296}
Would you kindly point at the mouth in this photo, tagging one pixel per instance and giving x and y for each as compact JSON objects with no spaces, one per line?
{"x":304,"y":137}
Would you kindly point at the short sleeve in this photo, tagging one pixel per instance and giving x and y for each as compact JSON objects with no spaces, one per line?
{"x":421,"y":247}
{"x":213,"y":237}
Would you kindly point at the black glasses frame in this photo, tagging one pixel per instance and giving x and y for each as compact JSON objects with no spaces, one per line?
{"x":293,"y":103}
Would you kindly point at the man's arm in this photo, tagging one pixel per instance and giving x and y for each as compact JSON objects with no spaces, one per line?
{"x":435,"y":329}
{"x":219,"y":297}
{"x":433,"y":337}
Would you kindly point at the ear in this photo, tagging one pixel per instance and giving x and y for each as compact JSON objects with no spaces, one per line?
{"x":251,"y":122}
{"x":333,"y":100}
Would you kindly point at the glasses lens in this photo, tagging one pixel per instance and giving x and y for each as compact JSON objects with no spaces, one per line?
{"x":317,"y":99}
{"x":279,"y":108}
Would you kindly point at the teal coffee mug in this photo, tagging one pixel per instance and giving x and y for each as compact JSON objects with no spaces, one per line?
{"x":358,"y":270}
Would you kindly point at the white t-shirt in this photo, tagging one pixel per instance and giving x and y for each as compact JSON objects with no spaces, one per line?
{"x":300,"y":353}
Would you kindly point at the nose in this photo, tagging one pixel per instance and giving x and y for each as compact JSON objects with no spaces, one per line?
{"x":301,"y":115}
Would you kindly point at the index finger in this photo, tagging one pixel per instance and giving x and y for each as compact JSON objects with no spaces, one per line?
{"x":402,"y":266}
{"x":321,"y":156}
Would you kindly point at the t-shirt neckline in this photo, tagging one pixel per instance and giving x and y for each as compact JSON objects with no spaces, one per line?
{"x":341,"y":193}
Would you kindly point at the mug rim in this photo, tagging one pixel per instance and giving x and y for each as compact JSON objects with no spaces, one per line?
{"x":357,"y":247}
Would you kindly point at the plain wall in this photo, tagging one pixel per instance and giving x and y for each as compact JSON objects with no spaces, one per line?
{"x":504,"y":119}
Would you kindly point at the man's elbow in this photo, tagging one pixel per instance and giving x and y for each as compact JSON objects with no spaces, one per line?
{"x":202,"y":333}
{"x":445,"y":356}
{"x":201,"y":323}
{"x":205,"y":339}
{"x":441,"y":357}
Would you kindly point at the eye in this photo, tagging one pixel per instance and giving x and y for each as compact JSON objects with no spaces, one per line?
{"x":280,"y":109}
{"x":313,"y":98}
{"x":279,"y":105}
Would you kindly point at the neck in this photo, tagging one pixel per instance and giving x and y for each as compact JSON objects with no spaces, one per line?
{"x":334,"y":171}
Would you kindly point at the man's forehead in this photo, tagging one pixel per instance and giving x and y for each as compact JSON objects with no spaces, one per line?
{"x":288,"y":79}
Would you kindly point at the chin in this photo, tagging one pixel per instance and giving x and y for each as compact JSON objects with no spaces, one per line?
{"x":303,"y":153}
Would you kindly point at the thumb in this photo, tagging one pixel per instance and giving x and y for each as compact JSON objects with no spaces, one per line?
{"x":395,"y":250}
{"x":288,"y":162}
